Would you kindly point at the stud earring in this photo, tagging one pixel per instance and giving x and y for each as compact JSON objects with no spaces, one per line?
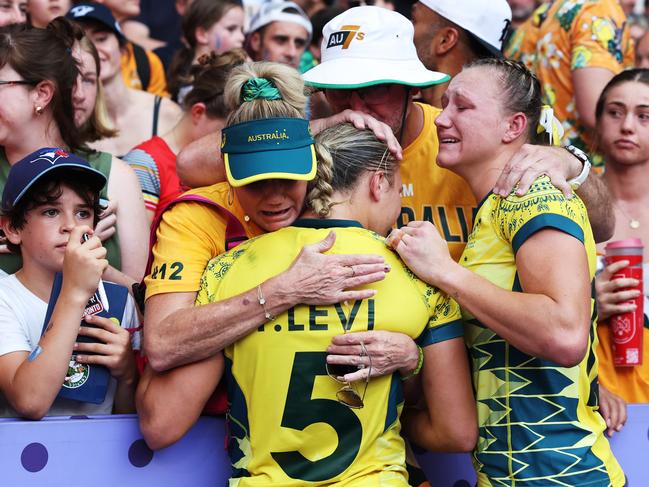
{"x":246,"y":218}
{"x":39,"y":110}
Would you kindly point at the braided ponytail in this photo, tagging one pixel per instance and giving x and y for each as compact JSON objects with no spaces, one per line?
{"x":345,"y":153}
{"x":320,"y":191}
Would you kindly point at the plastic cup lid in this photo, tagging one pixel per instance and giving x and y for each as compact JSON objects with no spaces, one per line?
{"x":625,"y":244}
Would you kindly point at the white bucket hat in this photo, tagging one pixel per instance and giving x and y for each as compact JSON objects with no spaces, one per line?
{"x":366,"y":46}
{"x":487,"y":21}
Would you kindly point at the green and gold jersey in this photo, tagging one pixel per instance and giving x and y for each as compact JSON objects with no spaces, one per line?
{"x":539,"y":424}
{"x":286,"y":426}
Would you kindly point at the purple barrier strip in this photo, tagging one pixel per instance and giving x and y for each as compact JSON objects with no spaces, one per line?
{"x":108,"y":450}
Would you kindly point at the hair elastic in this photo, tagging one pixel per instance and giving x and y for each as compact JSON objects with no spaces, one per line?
{"x":259,"y":89}
{"x":551,"y":125}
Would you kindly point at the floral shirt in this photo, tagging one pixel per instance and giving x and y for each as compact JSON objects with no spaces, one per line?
{"x":521,"y":46}
{"x":578,"y":34}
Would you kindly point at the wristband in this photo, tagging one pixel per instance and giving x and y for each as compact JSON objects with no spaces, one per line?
{"x":420,"y":364}
{"x":262,"y":302}
{"x":575,"y":183}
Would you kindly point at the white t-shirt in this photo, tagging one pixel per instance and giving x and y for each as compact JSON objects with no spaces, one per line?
{"x":21,"y":323}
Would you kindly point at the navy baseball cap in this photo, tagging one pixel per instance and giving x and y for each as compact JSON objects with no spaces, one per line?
{"x":271,"y":148}
{"x":26,"y":172}
{"x":91,"y":11}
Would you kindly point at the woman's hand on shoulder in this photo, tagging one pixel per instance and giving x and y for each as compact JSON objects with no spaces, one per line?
{"x":318,"y":278}
{"x":423,"y":250}
{"x":532,"y":161}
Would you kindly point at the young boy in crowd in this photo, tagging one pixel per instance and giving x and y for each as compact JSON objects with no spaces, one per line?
{"x":50,"y":205}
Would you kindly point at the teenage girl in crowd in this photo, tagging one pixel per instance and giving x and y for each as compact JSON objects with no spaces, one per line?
{"x":623,"y":138}
{"x":135,"y":114}
{"x":524,"y":285}
{"x":44,"y":116}
{"x":154,"y":161}
{"x":208,"y":26}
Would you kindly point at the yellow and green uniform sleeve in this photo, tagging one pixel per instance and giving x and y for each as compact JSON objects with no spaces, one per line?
{"x":543,"y":207}
{"x":189,"y":235}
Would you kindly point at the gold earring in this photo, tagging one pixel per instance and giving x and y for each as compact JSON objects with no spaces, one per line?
{"x":39,"y":110}
{"x":230,"y":196}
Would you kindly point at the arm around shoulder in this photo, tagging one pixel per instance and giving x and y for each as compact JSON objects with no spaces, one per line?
{"x":597,"y":199}
{"x":550,"y":319}
{"x":200,"y":163}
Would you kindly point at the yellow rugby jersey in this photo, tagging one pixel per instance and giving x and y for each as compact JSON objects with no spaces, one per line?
{"x":286,"y":426}
{"x":432,"y":193}
{"x":189,"y":235}
{"x":538,"y":422}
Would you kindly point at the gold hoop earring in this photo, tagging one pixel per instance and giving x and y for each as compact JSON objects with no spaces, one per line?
{"x":39,"y":110}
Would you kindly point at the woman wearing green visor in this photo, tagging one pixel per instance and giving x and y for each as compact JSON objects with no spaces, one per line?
{"x":193,"y":232}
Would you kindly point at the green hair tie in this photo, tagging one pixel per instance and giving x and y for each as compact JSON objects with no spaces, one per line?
{"x":259,"y":89}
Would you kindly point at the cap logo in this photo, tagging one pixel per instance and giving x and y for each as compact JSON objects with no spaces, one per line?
{"x":81,"y":10}
{"x":277,"y":135}
{"x":345,"y":36}
{"x":51,"y":157}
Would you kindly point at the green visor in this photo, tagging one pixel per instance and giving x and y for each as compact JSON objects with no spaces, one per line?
{"x":272,"y":148}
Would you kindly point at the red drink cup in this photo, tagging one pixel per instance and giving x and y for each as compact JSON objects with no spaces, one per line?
{"x":627,"y":328}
